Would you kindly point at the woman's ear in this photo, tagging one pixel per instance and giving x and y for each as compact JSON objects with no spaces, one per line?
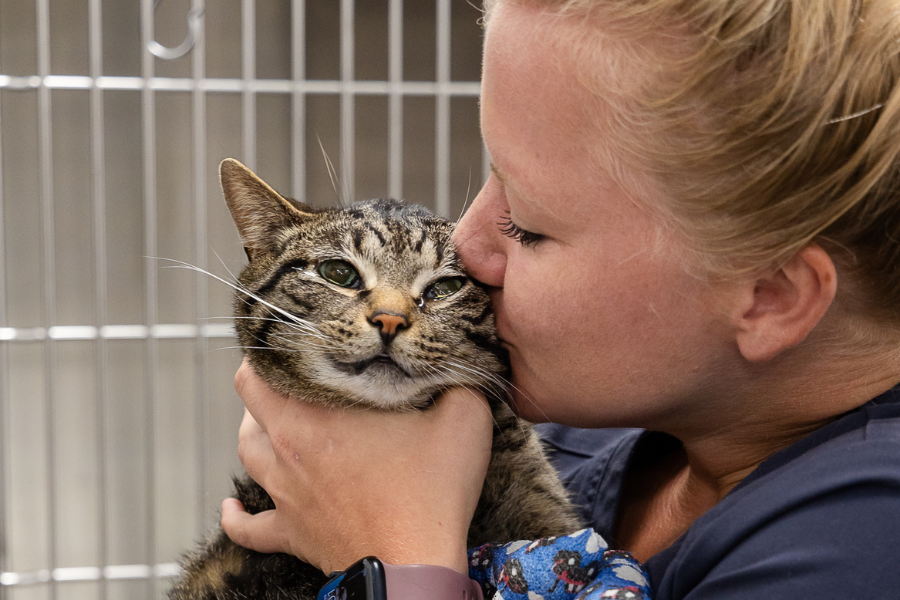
{"x":782,"y":308}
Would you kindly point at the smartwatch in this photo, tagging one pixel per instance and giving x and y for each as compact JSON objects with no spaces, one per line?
{"x":371,"y":579}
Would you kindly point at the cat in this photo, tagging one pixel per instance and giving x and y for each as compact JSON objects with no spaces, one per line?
{"x":367,"y":305}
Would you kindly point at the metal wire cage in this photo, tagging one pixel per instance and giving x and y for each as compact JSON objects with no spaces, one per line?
{"x":117,"y":415}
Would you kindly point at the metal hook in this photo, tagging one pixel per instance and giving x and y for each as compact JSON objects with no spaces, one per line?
{"x":195,"y":20}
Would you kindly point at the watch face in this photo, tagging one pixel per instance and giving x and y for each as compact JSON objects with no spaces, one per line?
{"x":362,"y":581}
{"x":346,"y":587}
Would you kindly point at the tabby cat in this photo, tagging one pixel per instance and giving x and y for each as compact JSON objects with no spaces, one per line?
{"x":366,"y":306}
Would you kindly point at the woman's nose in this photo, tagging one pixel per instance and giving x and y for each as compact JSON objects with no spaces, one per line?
{"x":479,"y":242}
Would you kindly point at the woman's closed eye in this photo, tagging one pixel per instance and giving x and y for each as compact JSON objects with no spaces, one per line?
{"x":511,"y":230}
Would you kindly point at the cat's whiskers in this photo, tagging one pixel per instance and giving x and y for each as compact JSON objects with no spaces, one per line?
{"x":475,"y":376}
{"x":295,"y":344}
{"x":291,"y":334}
{"x":300,"y":339}
{"x":295,"y":321}
{"x":504,"y":383}
{"x":292,"y":348}
{"x":465,"y":200}
{"x":332,"y":174}
{"x":531,"y":401}
{"x":360,"y":403}
{"x":442,"y":373}
{"x":460,"y":378}
{"x":243,"y":290}
{"x":307,"y":329}
{"x":224,"y":266}
{"x":444,"y":370}
{"x":482,"y":373}
{"x":298,"y":344}
{"x":270,"y":348}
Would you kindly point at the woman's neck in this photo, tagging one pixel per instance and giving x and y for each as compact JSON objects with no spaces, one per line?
{"x":661,"y":501}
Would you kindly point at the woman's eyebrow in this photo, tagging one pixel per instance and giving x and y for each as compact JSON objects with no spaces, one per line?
{"x":518,"y":194}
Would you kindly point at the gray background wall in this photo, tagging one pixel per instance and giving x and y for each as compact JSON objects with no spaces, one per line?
{"x":118,"y":419}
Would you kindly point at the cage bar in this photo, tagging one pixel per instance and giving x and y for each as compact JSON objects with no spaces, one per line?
{"x":442,"y":112}
{"x":98,"y":171}
{"x":248,"y":51}
{"x":151,"y":286}
{"x":4,"y":378}
{"x":49,"y":273}
{"x":395,"y":101}
{"x":72,"y":574}
{"x":161,"y":331}
{"x":222,"y":84}
{"x":201,"y":251}
{"x":348,"y":118}
{"x":298,"y":99}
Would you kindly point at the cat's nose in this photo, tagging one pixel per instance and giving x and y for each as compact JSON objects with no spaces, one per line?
{"x":390,"y":324}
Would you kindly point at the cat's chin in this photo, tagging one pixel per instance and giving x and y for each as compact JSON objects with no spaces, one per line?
{"x":378,"y":382}
{"x":380,"y":364}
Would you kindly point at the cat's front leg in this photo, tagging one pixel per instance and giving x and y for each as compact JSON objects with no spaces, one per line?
{"x":222,"y":570}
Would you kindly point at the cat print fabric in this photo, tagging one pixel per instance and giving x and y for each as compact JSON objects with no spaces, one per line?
{"x":578,"y":566}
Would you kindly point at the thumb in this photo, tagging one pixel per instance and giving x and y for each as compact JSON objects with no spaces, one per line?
{"x":257,"y":532}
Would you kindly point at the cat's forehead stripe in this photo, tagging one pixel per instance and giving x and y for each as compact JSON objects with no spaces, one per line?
{"x":423,"y":235}
{"x":399,"y":233}
{"x":368,"y":243}
{"x":376,"y":232}
{"x":439,"y":255}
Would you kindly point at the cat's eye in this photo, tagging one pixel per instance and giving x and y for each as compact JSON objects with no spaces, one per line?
{"x":443,"y":288}
{"x":339,"y":272}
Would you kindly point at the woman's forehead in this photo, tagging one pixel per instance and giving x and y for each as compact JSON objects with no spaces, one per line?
{"x":540,"y":96}
{"x":537,"y":118}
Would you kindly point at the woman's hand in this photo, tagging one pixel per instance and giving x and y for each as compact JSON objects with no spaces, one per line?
{"x":352,"y":483}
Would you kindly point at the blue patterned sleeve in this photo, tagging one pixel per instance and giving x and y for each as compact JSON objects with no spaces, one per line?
{"x":579,"y":566}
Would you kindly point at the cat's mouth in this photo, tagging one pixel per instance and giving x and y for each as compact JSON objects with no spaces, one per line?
{"x":379,"y":361}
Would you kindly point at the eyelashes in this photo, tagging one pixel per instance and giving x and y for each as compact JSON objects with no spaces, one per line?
{"x":513,"y":231}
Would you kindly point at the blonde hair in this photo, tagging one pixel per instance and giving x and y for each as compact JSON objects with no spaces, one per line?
{"x":768,"y":125}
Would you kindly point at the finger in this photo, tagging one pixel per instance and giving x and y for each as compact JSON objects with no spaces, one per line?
{"x":258,"y":532}
{"x":468,"y":410}
{"x":464,"y":399}
{"x":255,"y":450}
{"x":261,"y":400}
{"x":464,"y":429}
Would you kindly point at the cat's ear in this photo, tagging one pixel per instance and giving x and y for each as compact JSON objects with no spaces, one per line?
{"x":258,"y":211}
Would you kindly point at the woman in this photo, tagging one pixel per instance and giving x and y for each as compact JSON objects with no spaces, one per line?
{"x":700,"y":237}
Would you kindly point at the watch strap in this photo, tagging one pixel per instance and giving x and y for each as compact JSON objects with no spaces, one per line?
{"x":429,"y":582}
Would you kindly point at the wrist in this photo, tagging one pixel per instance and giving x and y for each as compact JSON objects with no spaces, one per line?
{"x":372,"y":579}
{"x":414,"y":582}
{"x":457,"y":561}
{"x":430,"y":546}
